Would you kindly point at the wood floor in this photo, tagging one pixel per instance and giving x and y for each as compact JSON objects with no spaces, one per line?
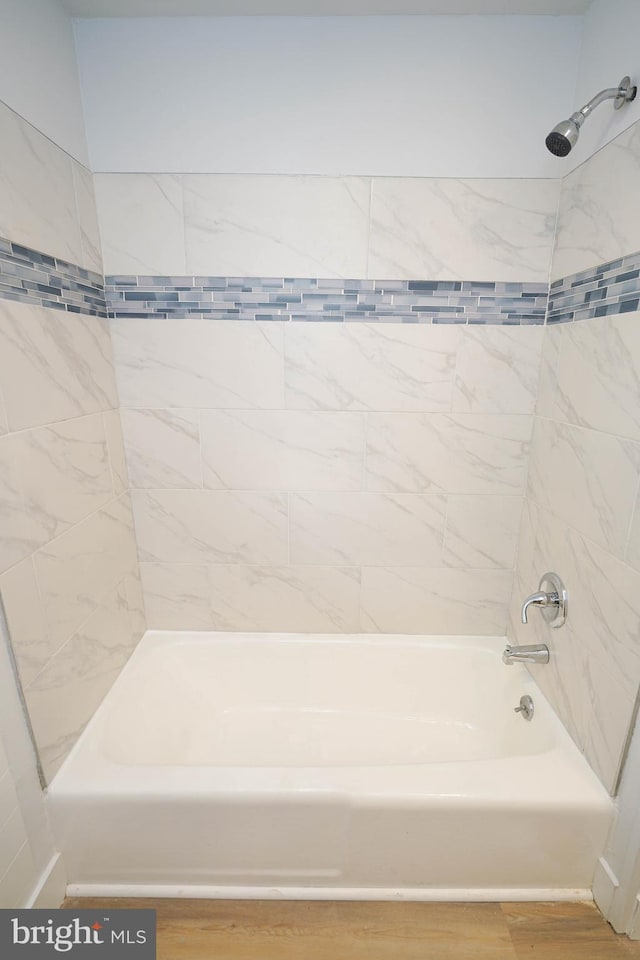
{"x":304,"y":930}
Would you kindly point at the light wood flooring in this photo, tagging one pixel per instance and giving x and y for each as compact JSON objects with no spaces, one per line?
{"x":312,"y":930}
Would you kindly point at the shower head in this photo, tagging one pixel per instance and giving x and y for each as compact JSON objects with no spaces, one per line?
{"x":564,"y":135}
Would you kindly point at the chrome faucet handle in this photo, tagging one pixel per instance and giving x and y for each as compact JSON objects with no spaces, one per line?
{"x":552,"y":600}
{"x":537,"y":599}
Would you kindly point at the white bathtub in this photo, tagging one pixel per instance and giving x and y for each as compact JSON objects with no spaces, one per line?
{"x":316,"y":766}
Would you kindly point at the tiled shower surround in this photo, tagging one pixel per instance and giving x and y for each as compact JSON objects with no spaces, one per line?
{"x":353,"y":455}
{"x":582,"y":513}
{"x":69,"y":574}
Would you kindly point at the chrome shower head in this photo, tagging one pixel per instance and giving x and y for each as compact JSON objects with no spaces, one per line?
{"x":564,"y":135}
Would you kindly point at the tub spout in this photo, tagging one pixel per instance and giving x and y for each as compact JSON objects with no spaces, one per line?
{"x":528,"y":653}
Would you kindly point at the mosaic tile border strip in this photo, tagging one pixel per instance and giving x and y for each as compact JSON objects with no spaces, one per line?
{"x":314,"y":300}
{"x":603,"y":291}
{"x":28,"y":276}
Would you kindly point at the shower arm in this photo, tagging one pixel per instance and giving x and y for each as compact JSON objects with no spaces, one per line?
{"x":621,"y":94}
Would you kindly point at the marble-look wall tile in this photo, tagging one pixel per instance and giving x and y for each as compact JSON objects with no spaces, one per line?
{"x":26,"y":619}
{"x":8,"y":798}
{"x":448,"y":229}
{"x":564,"y":680}
{"x":423,"y":601}
{"x":599,"y":216}
{"x":65,"y":472}
{"x":66,"y":694}
{"x":36,"y":184}
{"x":211,"y":526}
{"x":87,"y":218}
{"x":632,"y":551}
{"x":549,"y":358}
{"x":53,"y":366}
{"x":369,"y":366}
{"x":177,"y":596}
{"x":185,"y":596}
{"x":605,"y":354}
{"x":4,"y":423}
{"x":291,"y":599}
{"x":448,"y":453}
{"x":20,"y":532}
{"x":141,"y":223}
{"x":115,"y":447}
{"x":135,"y":603}
{"x":594,"y":671}
{"x":611,"y":719}
{"x":276,"y":226}
{"x":198,"y":363}
{"x":589,"y":479}
{"x":75,"y":569}
{"x":482,"y":532}
{"x":372,"y":529}
{"x":498,"y":369}
{"x":13,"y":836}
{"x":283,"y":450}
{"x":163,"y":448}
{"x":605,"y":613}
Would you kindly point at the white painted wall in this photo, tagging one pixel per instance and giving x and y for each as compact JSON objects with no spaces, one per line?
{"x":38,"y":71}
{"x":610,"y":50}
{"x":402,"y":96}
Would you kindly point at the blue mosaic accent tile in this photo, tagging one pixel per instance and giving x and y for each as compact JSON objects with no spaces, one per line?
{"x":320,"y":301}
{"x":29,"y":276}
{"x":603,"y":291}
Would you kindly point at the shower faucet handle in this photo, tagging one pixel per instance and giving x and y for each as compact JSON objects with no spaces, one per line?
{"x":551,"y":598}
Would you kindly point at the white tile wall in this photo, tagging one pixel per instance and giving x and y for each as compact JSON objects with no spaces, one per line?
{"x":605,"y":354}
{"x":26,"y":845}
{"x":162,"y":448}
{"x":354,"y":227}
{"x":587,"y":477}
{"x":418,"y":600}
{"x":151,"y":207}
{"x":46,"y":195}
{"x":67,"y":355}
{"x":283,"y":449}
{"x":451,"y":453}
{"x":87,"y":218}
{"x":353,"y":366}
{"x":599,"y":217}
{"x":367,"y":529}
{"x":68,"y":564}
{"x":195,"y":526}
{"x":462,"y":229}
{"x":198,"y":363}
{"x":582,"y":516}
{"x":267,"y":502}
{"x":498,"y":369}
{"x":79,"y":675}
{"x":255,"y":226}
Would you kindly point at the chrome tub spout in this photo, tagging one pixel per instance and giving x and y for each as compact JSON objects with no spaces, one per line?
{"x":529,"y":653}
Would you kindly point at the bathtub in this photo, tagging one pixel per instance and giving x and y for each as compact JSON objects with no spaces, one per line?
{"x":381,"y":767}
